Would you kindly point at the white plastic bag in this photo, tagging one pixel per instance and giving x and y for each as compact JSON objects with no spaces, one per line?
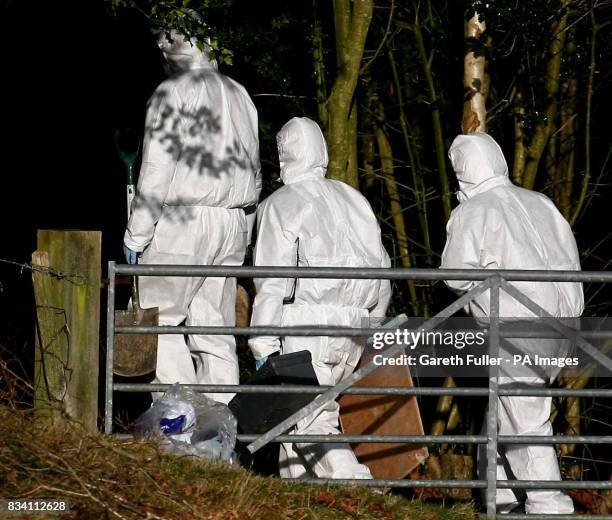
{"x":190,"y":423}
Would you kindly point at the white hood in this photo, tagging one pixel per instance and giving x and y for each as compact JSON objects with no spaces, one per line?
{"x":478,"y":162}
{"x":302,"y":151}
{"x":181,"y":54}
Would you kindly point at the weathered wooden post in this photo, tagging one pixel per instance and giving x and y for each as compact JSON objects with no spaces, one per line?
{"x":67,"y":294}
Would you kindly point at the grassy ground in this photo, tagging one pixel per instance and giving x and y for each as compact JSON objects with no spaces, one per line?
{"x":111,"y":478}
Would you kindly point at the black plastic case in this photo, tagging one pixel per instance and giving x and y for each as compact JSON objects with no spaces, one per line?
{"x":257,"y":413}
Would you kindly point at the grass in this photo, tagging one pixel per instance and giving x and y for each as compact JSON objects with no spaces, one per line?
{"x":108,"y":478}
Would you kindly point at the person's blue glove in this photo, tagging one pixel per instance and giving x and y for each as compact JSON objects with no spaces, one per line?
{"x":131,"y":257}
{"x":260,"y":362}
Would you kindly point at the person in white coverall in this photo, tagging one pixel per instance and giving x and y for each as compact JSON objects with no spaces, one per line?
{"x":498,"y":225}
{"x":200,"y":170}
{"x":316,"y":222}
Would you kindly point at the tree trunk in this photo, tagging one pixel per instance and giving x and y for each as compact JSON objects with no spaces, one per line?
{"x":319,"y":74}
{"x":352,"y":167}
{"x":520,"y":154}
{"x":435,"y":117}
{"x":587,"y":124}
{"x":443,"y":408}
{"x":415,"y":166}
{"x":567,"y":146}
{"x":551,"y":163}
{"x":395,"y":206}
{"x":474,"y":81}
{"x":367,"y":149}
{"x":544,"y":129}
{"x":563,"y":142}
{"x":560,"y":154}
{"x":351,"y":31}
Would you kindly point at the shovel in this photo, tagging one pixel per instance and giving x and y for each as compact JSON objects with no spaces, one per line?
{"x":135,"y":354}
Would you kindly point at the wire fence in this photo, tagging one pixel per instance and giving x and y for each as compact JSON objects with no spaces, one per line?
{"x":74,"y":278}
{"x":491,"y":280}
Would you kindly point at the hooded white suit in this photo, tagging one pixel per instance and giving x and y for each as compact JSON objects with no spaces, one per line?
{"x":498,"y":225}
{"x":200,"y":168}
{"x":316,"y":222}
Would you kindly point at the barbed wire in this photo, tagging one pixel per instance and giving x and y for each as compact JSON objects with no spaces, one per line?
{"x":73,"y":278}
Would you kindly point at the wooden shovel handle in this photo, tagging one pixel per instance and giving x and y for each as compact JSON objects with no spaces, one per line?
{"x":135,"y":294}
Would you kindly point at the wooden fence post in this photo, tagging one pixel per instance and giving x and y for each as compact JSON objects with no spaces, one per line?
{"x":67,"y":294}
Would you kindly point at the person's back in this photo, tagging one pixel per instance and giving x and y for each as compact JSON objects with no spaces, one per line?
{"x":315,"y":222}
{"x":212,"y":139}
{"x":502,"y":226}
{"x":201,"y":146}
{"x":334,"y":225}
{"x":199,"y":175}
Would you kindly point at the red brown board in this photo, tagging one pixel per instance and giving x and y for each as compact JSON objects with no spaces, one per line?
{"x":384,"y":415}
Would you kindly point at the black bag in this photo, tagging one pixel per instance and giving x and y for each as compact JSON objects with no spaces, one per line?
{"x":258,"y":413}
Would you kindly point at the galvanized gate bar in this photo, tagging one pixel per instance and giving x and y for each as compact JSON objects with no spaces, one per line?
{"x":110,"y":348}
{"x":392,"y":483}
{"x":407,"y":439}
{"x":515,"y":516}
{"x":493,"y":404}
{"x":370,"y":273}
{"x":368,"y":390}
{"x":473,"y":484}
{"x":306,"y":389}
{"x":438,"y":439}
{"x":555,"y":484}
{"x":313,"y":330}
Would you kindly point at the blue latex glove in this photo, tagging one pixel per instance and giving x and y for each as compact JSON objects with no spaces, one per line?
{"x":130,"y":256}
{"x":260,"y":362}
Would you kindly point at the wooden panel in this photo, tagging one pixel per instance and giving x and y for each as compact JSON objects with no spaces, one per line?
{"x":384,"y":415}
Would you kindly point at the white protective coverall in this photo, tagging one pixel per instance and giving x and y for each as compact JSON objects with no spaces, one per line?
{"x":316,"y":222}
{"x":200,"y":168}
{"x":498,"y":225}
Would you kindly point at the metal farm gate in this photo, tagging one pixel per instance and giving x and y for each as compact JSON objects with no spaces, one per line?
{"x":490,"y":280}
